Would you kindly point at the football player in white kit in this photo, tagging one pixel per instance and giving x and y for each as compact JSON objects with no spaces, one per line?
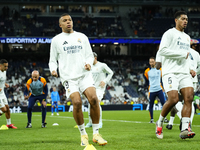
{"x":73,"y":52}
{"x":101,"y":75}
{"x":3,"y":100}
{"x":195,"y":61}
{"x":175,"y":49}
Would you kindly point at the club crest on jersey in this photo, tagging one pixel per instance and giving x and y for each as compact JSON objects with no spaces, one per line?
{"x":170,"y":86}
{"x":79,"y":40}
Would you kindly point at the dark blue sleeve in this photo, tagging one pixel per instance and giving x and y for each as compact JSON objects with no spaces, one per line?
{"x":146,"y":81}
{"x":45,"y":90}
{"x":26,"y":92}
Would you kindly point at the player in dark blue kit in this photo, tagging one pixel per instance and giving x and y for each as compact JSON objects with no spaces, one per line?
{"x":155,"y":89}
{"x":36,"y":89}
{"x":55,"y":98}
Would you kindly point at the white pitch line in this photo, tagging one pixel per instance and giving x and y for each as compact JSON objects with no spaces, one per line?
{"x":110,"y":120}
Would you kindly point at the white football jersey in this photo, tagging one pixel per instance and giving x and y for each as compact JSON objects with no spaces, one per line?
{"x":72,"y":51}
{"x":101,"y":72}
{"x":2,"y":81}
{"x":195,"y":58}
{"x":174,"y":47}
{"x":158,"y":57}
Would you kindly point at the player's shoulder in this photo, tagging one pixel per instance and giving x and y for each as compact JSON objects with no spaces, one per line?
{"x":101,"y":63}
{"x":147,"y":70}
{"x":42,"y":79}
{"x":80,"y":34}
{"x":57,"y":36}
{"x":194,"y":51}
{"x":171,"y":30}
{"x":30,"y":80}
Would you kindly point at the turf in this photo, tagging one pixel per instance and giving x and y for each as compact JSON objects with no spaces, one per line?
{"x":124,"y":130}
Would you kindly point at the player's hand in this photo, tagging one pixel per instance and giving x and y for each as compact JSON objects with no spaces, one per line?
{"x":102,"y":84}
{"x":187,"y":54}
{"x":87,"y":67}
{"x":7,"y":85}
{"x":54,"y":73}
{"x":0,"y":90}
{"x":193,"y":73}
{"x":26,"y":96}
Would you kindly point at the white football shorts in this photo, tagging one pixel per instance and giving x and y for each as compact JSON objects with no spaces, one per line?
{"x":3,"y":101}
{"x":176,"y":81}
{"x":195,"y":86}
{"x":79,"y":84}
{"x":100,"y":93}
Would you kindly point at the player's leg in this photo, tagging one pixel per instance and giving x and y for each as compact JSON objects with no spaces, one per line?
{"x":72,"y":91}
{"x":172,"y":116}
{"x":31,"y":102}
{"x":52,"y":108}
{"x":100,"y":117}
{"x":6,"y":110}
{"x":100,"y":94}
{"x":57,"y":108}
{"x":89,"y":124}
{"x":78,"y":117}
{"x":170,"y":83}
{"x":90,"y":94}
{"x":187,"y":91}
{"x":192,"y":113}
{"x":152,"y":96}
{"x":43,"y":103}
{"x":162,"y":98}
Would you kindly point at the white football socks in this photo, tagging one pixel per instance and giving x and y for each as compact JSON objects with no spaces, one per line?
{"x":82,"y":129}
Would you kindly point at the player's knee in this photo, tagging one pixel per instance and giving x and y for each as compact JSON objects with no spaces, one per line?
{"x":174,"y":100}
{"x":189,"y":99}
{"x":4,"y":109}
{"x":94,"y":101}
{"x":77,"y":104}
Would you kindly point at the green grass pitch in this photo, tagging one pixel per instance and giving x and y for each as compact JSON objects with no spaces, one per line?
{"x":124,"y":130}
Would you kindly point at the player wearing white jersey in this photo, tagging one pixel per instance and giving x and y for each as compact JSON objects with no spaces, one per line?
{"x":175,"y":49}
{"x":3,"y":99}
{"x":101,"y":75}
{"x":73,"y":52}
{"x":195,"y":61}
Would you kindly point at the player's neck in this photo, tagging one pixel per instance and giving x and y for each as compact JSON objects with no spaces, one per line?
{"x":181,"y":30}
{"x":68,"y":31}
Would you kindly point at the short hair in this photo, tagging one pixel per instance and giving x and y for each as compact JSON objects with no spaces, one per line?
{"x":152,"y":58}
{"x":179,"y":13}
{"x":2,"y":61}
{"x":65,"y":14}
{"x":95,"y":54}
